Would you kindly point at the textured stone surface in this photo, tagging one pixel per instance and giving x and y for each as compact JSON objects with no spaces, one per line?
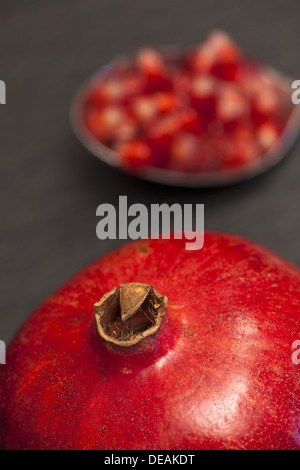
{"x":50,"y":186}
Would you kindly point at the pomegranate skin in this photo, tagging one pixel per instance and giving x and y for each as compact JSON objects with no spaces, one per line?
{"x":218,"y":374}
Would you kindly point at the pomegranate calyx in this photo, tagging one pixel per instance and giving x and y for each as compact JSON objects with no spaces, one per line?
{"x":129,"y":314}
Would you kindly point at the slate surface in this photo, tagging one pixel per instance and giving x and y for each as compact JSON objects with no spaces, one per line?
{"x":50,"y":186}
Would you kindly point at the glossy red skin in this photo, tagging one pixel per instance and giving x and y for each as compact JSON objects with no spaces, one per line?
{"x":217,"y":375}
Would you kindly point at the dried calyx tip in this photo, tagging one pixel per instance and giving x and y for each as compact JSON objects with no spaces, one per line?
{"x":126,"y":315}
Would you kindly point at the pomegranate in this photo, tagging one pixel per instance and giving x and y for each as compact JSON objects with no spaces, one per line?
{"x":186,"y":350}
{"x":199,"y":91}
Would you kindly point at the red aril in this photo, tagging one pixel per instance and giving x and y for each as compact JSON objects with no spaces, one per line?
{"x":134,"y":154}
{"x":167,"y":102}
{"x":184,"y":152}
{"x":267,"y":135}
{"x":219,"y":55}
{"x":112,"y":90}
{"x":201,"y":60}
{"x":144,"y":108}
{"x":190,"y":121}
{"x":208,"y":91}
{"x":224,"y":48}
{"x":266,"y":102}
{"x":151,"y":63}
{"x":153,"y":67}
{"x":103,"y":124}
{"x":203,"y":97}
{"x":240,"y":149}
{"x":182,"y":82}
{"x":228,"y":57}
{"x":243,"y":152}
{"x":165,"y":128}
{"x":216,"y":374}
{"x":232,"y":105}
{"x":161,"y":135}
{"x":134,"y":84}
{"x":203,"y":86}
{"x":126,"y":131}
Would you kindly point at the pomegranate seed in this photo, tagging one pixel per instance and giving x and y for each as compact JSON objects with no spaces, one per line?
{"x":167,"y":125}
{"x":218,"y":48}
{"x":191,"y":121}
{"x":112,"y":90}
{"x":266,"y":101}
{"x":207,"y":109}
{"x":127,"y":130}
{"x":103,"y":123}
{"x":267,"y":135}
{"x":203,"y":86}
{"x":150,"y":62}
{"x":134,"y":154}
{"x":144,"y":108}
{"x":238,"y":152}
{"x":182,"y":82}
{"x":166,"y":102}
{"x":202,"y":59}
{"x":183,"y":151}
{"x":231,"y":104}
{"x":111,"y":116}
{"x":223,"y":48}
{"x":133,"y":84}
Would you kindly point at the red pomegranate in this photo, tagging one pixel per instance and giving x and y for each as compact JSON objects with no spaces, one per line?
{"x":187,"y":350}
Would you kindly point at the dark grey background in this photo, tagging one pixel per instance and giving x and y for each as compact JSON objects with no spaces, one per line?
{"x":50,"y":186}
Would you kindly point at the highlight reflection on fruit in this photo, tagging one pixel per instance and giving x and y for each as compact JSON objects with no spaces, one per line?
{"x":207,"y":108}
{"x":216,"y":372}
